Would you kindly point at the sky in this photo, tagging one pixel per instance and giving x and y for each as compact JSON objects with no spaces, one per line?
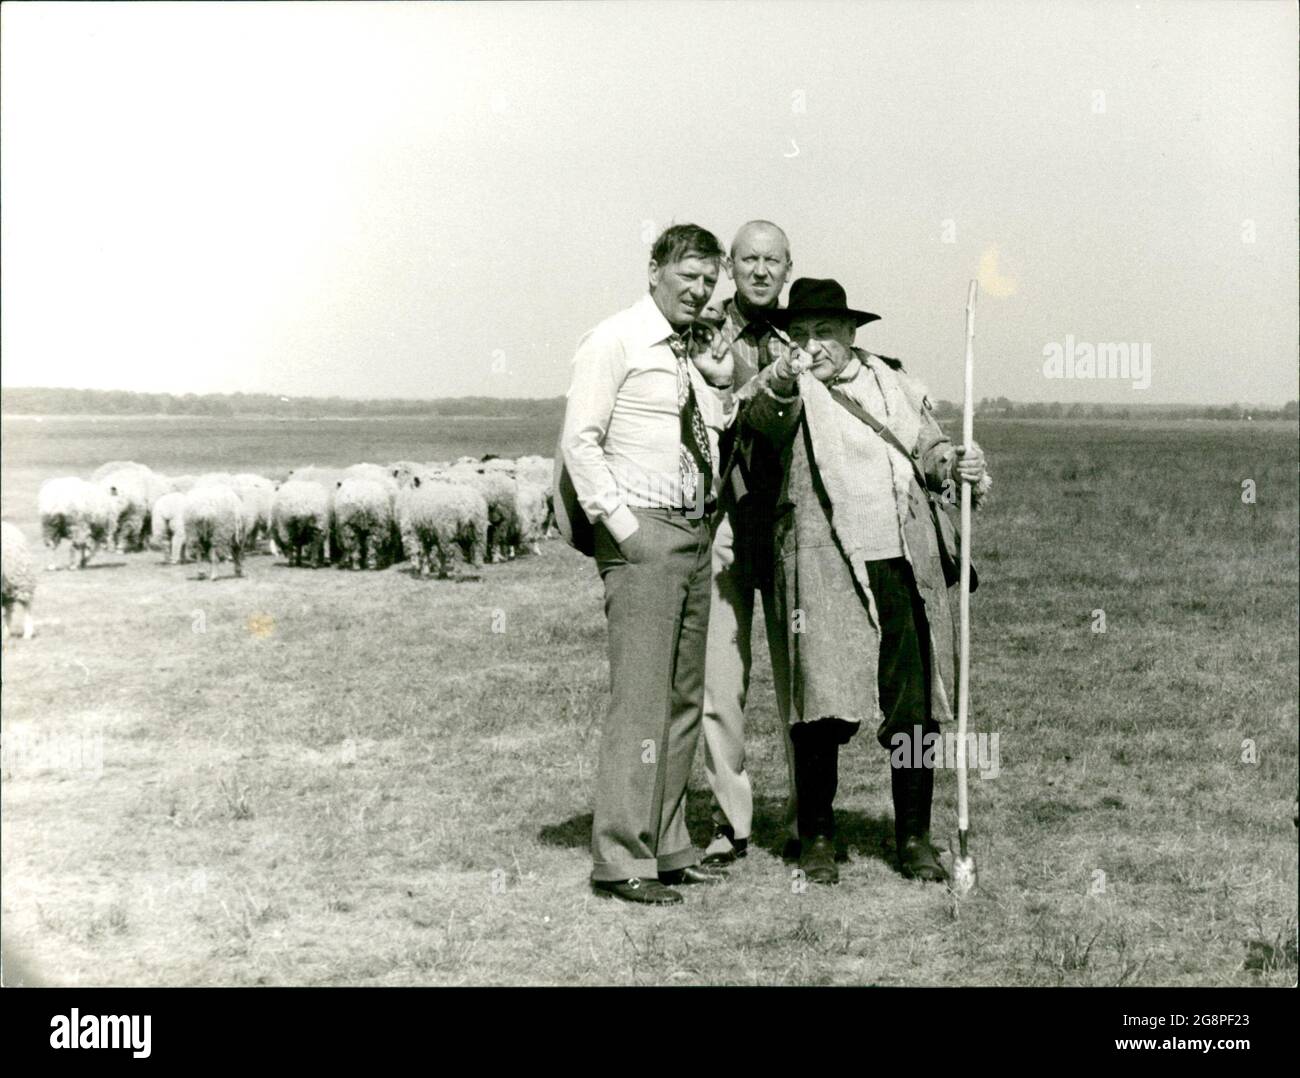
{"x":439,"y":200}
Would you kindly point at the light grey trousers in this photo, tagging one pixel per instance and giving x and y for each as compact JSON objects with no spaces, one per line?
{"x":657,"y":610}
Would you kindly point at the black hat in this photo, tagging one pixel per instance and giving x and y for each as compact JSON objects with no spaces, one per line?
{"x":810,"y":296}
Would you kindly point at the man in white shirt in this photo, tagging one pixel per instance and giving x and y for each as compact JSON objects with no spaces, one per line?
{"x":640,"y":443}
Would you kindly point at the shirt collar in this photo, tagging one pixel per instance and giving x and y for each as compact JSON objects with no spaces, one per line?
{"x":853,"y":367}
{"x":652,"y":327}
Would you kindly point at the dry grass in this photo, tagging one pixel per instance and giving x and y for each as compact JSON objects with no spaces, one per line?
{"x":351,"y":778}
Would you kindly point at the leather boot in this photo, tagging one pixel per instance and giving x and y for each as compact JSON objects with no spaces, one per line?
{"x":913,"y":789}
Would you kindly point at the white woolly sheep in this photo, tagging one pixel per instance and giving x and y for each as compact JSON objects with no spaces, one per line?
{"x":183,"y":483}
{"x":117,"y":466}
{"x":167,"y":526}
{"x":257,"y":493}
{"x":530,"y":501}
{"x":403,"y":471}
{"x":17,"y":579}
{"x":375,"y":472}
{"x":363,"y":522}
{"x":300,"y":521}
{"x":73,"y":509}
{"x":437,"y":517}
{"x":128,"y":489}
{"x":214,"y":526}
{"x":540,"y":471}
{"x":328,"y":478}
{"x":498,"y":490}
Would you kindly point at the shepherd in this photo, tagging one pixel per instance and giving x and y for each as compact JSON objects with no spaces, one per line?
{"x":861,"y":568}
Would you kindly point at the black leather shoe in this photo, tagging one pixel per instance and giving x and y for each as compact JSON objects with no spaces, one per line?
{"x":818,"y":861}
{"x":651,"y":892}
{"x":692,"y":874}
{"x":918,"y":860}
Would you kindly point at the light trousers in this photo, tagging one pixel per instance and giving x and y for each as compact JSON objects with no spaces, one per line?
{"x":727,"y":664}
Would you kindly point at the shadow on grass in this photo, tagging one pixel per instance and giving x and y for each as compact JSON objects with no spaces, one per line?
{"x":433,"y":578}
{"x":868,"y":836}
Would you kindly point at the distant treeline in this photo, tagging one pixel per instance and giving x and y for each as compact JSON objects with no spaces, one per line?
{"x":120,"y":402}
{"x":20,"y":401}
{"x":1005,"y":409}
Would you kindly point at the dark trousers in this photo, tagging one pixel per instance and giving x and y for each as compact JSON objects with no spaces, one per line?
{"x":904,"y":686}
{"x":657,"y":609}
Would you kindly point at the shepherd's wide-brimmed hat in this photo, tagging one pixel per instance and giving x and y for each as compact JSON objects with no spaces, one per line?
{"x":810,"y":296}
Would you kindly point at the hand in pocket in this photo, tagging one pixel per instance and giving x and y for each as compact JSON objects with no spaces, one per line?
{"x":633,"y":546}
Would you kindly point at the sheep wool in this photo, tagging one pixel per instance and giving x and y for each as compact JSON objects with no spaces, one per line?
{"x":167,"y":526}
{"x":438,"y":518}
{"x":300,"y":521}
{"x":213,"y":518}
{"x":73,"y":509}
{"x":17,"y":579}
{"x":364,"y":522}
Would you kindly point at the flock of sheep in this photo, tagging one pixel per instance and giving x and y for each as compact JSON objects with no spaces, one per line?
{"x":359,"y":517}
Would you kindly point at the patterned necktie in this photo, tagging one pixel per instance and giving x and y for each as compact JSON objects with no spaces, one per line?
{"x":695,"y":463}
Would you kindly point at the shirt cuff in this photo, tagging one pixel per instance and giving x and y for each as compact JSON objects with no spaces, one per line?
{"x":621,"y":523}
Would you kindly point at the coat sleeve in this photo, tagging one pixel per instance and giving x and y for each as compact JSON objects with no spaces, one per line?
{"x":769,"y":414}
{"x":935,"y":451}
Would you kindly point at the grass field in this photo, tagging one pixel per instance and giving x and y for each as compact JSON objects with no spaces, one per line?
{"x":327,"y":777}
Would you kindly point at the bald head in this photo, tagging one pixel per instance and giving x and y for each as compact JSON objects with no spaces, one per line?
{"x":759,"y":263}
{"x":754,"y":228}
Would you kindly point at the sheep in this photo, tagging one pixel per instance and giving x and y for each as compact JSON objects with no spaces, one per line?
{"x":215,"y":479}
{"x":540,"y":471}
{"x":498,"y":491}
{"x":374,"y":472}
{"x":128,"y":489}
{"x":300,"y":521}
{"x":363,"y":521}
{"x":73,"y":509}
{"x":167,"y":525}
{"x":436,"y":516}
{"x":258,"y":493}
{"x":117,"y":466}
{"x":328,"y":478}
{"x":213,"y":519}
{"x":497,"y":464}
{"x":403,"y":471}
{"x":17,"y":579}
{"x":532,"y":505}
{"x":183,"y":483}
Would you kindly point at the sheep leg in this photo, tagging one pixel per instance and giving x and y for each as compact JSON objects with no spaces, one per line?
{"x":237,"y":556}
{"x":212,"y":560}
{"x":4,"y":623}
{"x":28,"y":627}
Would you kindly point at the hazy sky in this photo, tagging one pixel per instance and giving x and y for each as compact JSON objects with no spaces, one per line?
{"x":438,"y":200}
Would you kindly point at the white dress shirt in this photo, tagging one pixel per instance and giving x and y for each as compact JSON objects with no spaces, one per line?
{"x":622,"y":427}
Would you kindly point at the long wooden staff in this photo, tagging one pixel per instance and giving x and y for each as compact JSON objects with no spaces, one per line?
{"x":963,"y":868}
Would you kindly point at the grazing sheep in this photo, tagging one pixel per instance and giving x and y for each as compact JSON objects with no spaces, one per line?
{"x":117,"y":466}
{"x":300,"y":521}
{"x":167,"y":526}
{"x":364,"y":522}
{"x":257,"y":493}
{"x":128,"y":489}
{"x":498,"y":490}
{"x":328,"y":478}
{"x":531,"y":503}
{"x":17,"y":579}
{"x":403,"y":471}
{"x":436,"y":516}
{"x":497,"y":464}
{"x":540,"y":472}
{"x":183,"y":483}
{"x":78,"y":511}
{"x":213,"y":518}
{"x":215,"y":479}
{"x":375,"y":472}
